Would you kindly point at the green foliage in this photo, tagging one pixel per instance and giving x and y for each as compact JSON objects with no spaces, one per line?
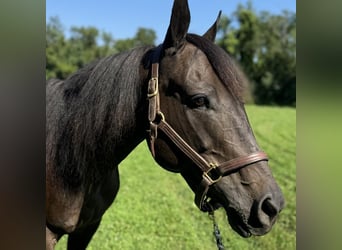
{"x":154,"y":208}
{"x":56,"y":51}
{"x":85,"y":44}
{"x":66,"y":55}
{"x":265,"y":46}
{"x":141,"y":38}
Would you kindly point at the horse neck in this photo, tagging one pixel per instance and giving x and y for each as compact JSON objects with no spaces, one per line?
{"x":111,"y":114}
{"x":133,"y":132}
{"x":127,"y":124}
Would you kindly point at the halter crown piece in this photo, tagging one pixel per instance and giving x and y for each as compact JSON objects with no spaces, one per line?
{"x":211,"y":172}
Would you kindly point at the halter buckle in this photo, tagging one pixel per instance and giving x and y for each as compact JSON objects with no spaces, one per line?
{"x":153,"y":85}
{"x":210,"y":176}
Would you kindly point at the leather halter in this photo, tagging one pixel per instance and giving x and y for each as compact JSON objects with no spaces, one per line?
{"x":211,"y":172}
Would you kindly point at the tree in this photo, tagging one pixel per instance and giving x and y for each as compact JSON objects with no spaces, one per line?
{"x":56,"y":50}
{"x":276,"y":75}
{"x":85,"y":44}
{"x":65,"y":55}
{"x":265,"y":46}
{"x":142,"y":37}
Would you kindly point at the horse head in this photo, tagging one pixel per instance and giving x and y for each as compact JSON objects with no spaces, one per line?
{"x":211,"y":144}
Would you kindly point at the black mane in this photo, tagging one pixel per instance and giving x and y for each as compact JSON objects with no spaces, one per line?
{"x":85,"y":112}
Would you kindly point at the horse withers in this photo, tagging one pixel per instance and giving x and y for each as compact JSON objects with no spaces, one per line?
{"x":185,"y":98}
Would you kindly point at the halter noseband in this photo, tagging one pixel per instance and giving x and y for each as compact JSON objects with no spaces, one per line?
{"x":212,"y":172}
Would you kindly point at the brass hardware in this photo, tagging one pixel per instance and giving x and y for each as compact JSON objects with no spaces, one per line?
{"x":162,"y":117}
{"x":155,"y":81}
{"x":206,"y":174}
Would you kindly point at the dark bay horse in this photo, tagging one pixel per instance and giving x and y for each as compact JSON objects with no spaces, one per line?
{"x":184,"y":98}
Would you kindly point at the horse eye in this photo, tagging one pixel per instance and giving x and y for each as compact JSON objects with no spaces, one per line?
{"x":198,"y":101}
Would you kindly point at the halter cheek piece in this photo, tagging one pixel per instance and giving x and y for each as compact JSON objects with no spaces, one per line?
{"x":211,"y":172}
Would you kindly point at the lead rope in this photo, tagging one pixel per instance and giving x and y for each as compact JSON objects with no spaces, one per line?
{"x":216,"y":232}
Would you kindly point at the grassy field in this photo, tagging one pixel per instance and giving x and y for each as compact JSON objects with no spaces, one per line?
{"x":154,"y":208}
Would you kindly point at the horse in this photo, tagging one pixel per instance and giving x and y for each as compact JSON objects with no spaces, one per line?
{"x":184,"y":97}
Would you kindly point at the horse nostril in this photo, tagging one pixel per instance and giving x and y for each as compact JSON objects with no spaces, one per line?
{"x":269,"y":208}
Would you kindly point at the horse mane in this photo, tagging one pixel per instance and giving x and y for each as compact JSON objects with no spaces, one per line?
{"x":88,"y":115}
{"x":224,"y":66}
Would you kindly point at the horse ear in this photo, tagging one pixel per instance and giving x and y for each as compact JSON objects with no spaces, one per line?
{"x":211,"y":32}
{"x":179,"y":24}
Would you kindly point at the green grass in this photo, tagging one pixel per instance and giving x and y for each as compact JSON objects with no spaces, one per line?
{"x":154,"y":208}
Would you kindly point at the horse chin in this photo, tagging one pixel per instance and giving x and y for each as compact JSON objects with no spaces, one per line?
{"x":240,"y":225}
{"x":237,"y":224}
{"x":235,"y":219}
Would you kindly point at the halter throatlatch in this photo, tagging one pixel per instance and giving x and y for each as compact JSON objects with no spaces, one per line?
{"x":211,"y":172}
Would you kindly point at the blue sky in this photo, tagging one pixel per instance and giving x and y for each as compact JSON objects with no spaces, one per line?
{"x":123,"y":18}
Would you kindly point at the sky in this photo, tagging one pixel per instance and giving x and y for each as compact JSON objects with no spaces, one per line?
{"x":123,"y":18}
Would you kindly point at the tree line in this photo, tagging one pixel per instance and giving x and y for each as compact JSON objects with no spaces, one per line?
{"x":264,"y":45}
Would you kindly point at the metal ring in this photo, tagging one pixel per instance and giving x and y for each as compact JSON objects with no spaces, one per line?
{"x":162,"y":116}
